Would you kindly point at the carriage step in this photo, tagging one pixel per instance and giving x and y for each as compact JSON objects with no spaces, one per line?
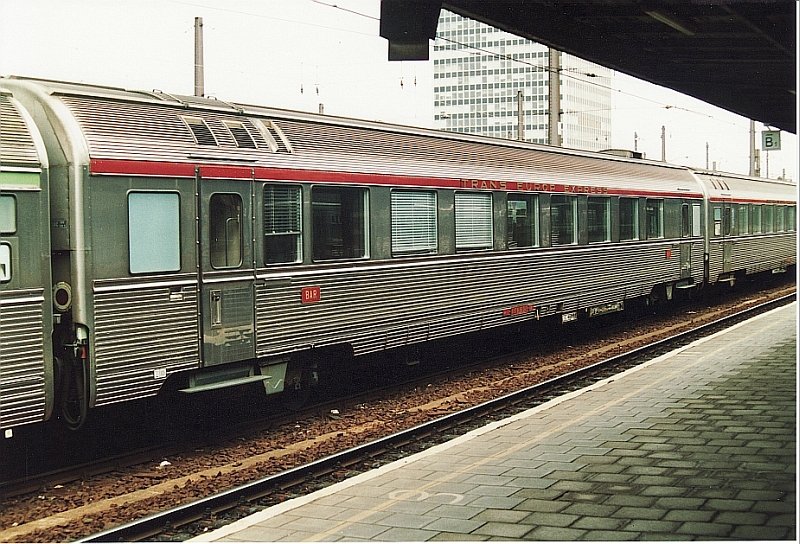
{"x":224,"y":383}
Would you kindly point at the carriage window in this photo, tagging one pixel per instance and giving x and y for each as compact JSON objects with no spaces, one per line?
{"x":5,"y":263}
{"x":563,"y":220}
{"x":522,"y":226}
{"x":8,"y":214}
{"x":225,"y":225}
{"x":154,"y":242}
{"x":414,"y":222}
{"x":696,"y":214}
{"x":686,"y":224}
{"x":768,"y":215}
{"x":283,"y":237}
{"x":339,"y":220}
{"x":756,"y":209}
{"x":744,"y":219}
{"x":727,"y":220}
{"x":628,"y":218}
{"x":654,"y":214}
{"x":717,"y":221}
{"x":791,"y":218}
{"x":473,"y":221}
{"x":779,"y":218}
{"x":599,"y":219}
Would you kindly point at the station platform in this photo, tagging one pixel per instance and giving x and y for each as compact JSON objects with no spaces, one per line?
{"x":696,"y":444}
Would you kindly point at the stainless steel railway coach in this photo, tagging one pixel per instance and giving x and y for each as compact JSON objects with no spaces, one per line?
{"x":152,"y":239}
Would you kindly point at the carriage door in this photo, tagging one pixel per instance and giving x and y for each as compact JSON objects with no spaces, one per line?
{"x":227,"y":271}
{"x":686,"y":245}
{"x":727,"y":240}
{"x":691,"y":234}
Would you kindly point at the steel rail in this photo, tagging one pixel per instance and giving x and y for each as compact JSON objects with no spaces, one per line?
{"x":154,"y":524}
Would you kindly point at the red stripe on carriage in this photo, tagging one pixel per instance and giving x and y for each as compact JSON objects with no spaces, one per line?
{"x":141,"y":168}
{"x":177,"y":169}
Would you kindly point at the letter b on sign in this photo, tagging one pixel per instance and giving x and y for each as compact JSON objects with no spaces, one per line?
{"x":771,"y":140}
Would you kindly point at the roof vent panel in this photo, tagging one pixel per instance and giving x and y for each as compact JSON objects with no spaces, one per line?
{"x":200,"y":130}
{"x":240,"y":133}
{"x":274,"y":136}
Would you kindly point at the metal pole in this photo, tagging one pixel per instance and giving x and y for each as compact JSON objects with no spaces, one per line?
{"x":520,"y":116}
{"x":752,"y":148}
{"x":706,"y":155}
{"x":554,"y":92}
{"x":199,"y":89}
{"x":663,"y":143}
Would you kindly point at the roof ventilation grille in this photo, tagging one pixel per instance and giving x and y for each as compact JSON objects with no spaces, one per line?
{"x":200,"y":130}
{"x":241,"y":135}
{"x":274,"y":136}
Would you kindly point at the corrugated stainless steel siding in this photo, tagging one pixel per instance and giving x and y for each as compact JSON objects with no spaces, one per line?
{"x":755,"y":254}
{"x":759,"y":255}
{"x":22,"y":380}
{"x":374,"y":306}
{"x":139,"y":330}
{"x":16,"y":145}
{"x":698,"y":262}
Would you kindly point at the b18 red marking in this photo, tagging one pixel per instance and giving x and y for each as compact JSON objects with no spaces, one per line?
{"x":310,"y":294}
{"x":522,"y":309}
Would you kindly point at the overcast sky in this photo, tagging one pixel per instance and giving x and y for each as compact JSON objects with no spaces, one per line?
{"x":297,"y":54}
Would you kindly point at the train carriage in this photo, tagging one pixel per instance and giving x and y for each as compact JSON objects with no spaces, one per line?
{"x":208,"y":244}
{"x":751,"y":226}
{"x":26,"y":324}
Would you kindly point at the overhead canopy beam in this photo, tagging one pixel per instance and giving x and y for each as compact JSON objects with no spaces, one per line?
{"x":409,"y":25}
{"x":739,"y":56}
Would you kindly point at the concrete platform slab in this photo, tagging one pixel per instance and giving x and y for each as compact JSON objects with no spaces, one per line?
{"x":699,"y":443}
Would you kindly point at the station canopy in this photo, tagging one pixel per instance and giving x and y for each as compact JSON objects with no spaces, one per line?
{"x":738,"y":55}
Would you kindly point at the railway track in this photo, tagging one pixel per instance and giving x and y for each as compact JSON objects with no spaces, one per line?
{"x":188,"y":435}
{"x":276,"y":417}
{"x":192,"y":519}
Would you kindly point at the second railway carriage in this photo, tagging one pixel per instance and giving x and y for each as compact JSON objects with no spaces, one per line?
{"x":204,"y":244}
{"x":26,"y":317}
{"x":751,"y":225}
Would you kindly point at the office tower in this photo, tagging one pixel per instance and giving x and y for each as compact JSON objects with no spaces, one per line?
{"x":478,"y":71}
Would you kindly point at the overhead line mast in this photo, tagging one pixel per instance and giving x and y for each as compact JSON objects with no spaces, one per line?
{"x":199,"y":89}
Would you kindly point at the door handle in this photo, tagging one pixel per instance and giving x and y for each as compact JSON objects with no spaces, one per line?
{"x":216,"y":308}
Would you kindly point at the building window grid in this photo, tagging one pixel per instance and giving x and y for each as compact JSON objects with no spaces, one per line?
{"x":574,"y":136}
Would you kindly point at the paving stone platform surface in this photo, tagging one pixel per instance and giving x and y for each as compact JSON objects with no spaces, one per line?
{"x":697,"y":444}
